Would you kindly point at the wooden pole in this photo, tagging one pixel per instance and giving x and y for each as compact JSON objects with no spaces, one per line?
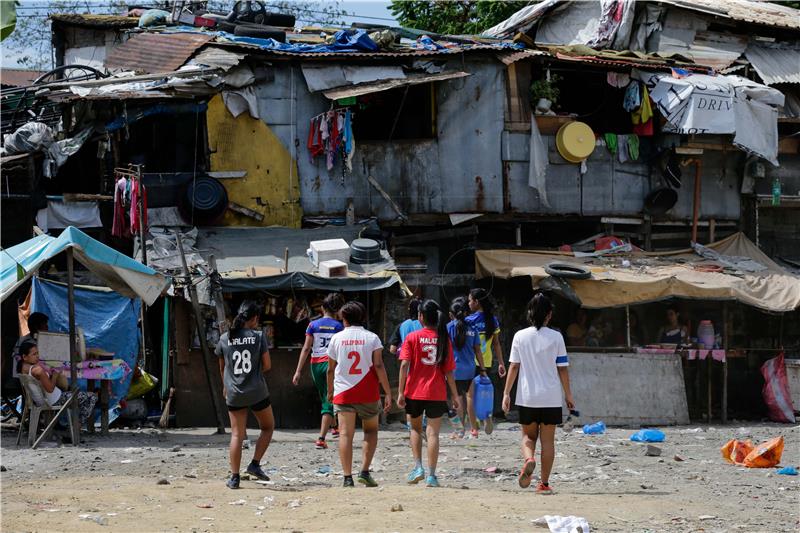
{"x":628,"y":325}
{"x":696,"y":206}
{"x":222,"y":322}
{"x":215,"y":400}
{"x":725,"y":344}
{"x":73,"y":355}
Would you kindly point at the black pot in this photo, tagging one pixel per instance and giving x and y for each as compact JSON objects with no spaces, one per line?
{"x":205,"y":201}
{"x":365,"y":251}
{"x":659,"y":201}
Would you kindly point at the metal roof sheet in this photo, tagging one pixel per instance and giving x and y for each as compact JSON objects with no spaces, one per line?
{"x":95,"y":21}
{"x":156,"y":52}
{"x":385,"y":85}
{"x":775,"y":63}
{"x":17,"y":77}
{"x":754,"y":11}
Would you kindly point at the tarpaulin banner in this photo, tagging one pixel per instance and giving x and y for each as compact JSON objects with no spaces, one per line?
{"x":109,"y":321}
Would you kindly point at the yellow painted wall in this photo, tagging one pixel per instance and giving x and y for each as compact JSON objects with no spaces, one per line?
{"x":245,"y":143}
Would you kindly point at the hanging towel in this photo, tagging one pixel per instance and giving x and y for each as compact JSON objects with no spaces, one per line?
{"x":349,"y":141}
{"x":632,"y":98}
{"x":611,"y":142}
{"x":644,"y":111}
{"x":618,"y":79}
{"x":633,"y":147}
{"x":120,"y":226}
{"x":622,"y":153}
{"x":137,"y":189}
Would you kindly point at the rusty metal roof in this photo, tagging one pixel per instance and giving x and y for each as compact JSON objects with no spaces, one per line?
{"x":753,"y":11}
{"x":156,"y":52}
{"x":95,"y":21}
{"x":775,"y":63}
{"x":17,"y":77}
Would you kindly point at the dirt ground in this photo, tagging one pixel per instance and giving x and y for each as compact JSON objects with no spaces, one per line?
{"x":112,"y":484}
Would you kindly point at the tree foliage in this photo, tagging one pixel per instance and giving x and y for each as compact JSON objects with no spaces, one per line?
{"x":453,"y":17}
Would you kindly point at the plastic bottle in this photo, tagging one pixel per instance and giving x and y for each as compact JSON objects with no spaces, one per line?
{"x":484,"y":397}
{"x":776,"y":192}
{"x":705,"y":334}
{"x":598,"y":428}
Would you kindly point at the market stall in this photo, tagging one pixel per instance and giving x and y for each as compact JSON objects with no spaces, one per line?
{"x":732,"y":274}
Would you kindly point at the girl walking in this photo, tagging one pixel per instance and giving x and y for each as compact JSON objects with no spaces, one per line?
{"x":426,"y":370}
{"x":466,"y":349}
{"x":539,"y":358}
{"x":486,"y":324}
{"x":243,"y":359}
{"x":318,"y":338}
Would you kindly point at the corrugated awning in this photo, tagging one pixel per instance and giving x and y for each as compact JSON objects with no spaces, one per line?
{"x":156,"y":52}
{"x":775,"y":63}
{"x":324,"y":77}
{"x":385,"y":85}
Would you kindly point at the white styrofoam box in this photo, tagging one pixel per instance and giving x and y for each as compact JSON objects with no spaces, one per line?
{"x":330,"y":249}
{"x":333,"y":268}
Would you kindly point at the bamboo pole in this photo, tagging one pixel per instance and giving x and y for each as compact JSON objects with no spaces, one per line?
{"x":73,"y":355}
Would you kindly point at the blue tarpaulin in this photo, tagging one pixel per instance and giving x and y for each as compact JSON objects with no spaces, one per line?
{"x":109,"y":321}
{"x":120,"y":272}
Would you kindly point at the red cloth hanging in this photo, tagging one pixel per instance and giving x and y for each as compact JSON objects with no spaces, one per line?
{"x":120,"y":226}
{"x":137,"y":189}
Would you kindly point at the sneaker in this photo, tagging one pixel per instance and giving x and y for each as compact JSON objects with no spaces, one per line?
{"x":459,"y":434}
{"x":348,"y":482}
{"x":473,"y":433}
{"x":256,"y":471}
{"x":541,"y":488}
{"x":321,"y":444}
{"x":431,"y":481}
{"x":334,"y":433}
{"x":488,"y":426}
{"x":366,"y":479}
{"x":233,"y":483}
{"x":416,"y":475}
{"x":526,"y":473}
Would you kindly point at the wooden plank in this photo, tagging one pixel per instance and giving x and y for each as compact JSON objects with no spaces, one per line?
{"x":435,"y":235}
{"x":227,"y":174}
{"x":242,"y":210}
{"x":386,"y":197}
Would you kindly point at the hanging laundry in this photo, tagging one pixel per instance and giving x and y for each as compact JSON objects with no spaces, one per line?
{"x":632,"y":98}
{"x":642,"y":118}
{"x":622,"y":152}
{"x":611,"y":142}
{"x":349,"y":141}
{"x":618,"y":79}
{"x":121,"y":226}
{"x":138,"y":190}
{"x":633,"y":147}
{"x":331,"y":134}
{"x":314,"y":142}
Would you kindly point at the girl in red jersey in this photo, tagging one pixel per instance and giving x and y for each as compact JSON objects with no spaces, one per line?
{"x":426,"y":371}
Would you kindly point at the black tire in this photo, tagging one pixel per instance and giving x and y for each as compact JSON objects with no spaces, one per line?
{"x":568,"y":270}
{"x":281,"y":20}
{"x":261,"y":32}
{"x":224,"y":25}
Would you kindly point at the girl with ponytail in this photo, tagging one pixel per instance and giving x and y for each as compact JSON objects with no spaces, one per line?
{"x":243,"y":359}
{"x":466,"y":349}
{"x":426,"y":372}
{"x":486,"y":324}
{"x":539,"y":357}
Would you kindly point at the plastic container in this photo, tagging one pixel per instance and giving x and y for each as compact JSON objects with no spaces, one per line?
{"x":705,"y":334}
{"x":598,"y":428}
{"x":484,"y":397}
{"x":454,"y":419}
{"x":648,"y":435}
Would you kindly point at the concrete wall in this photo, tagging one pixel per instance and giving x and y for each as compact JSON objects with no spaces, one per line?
{"x":629,"y":389}
{"x":793,"y":376}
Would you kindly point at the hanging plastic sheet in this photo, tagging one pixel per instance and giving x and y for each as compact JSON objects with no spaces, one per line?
{"x":109,"y":321}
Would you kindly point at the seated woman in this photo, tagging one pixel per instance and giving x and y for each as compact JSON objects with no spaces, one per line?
{"x":673,"y":332}
{"x":53,"y":382}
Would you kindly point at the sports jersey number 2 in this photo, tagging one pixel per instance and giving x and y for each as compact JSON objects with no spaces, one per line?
{"x":430,"y":354}
{"x":241,"y":362}
{"x":357,"y":359}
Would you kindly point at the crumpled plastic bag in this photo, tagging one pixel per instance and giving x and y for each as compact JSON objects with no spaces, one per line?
{"x":765,"y":455}
{"x":648,"y":435}
{"x":734,"y":451}
{"x":36,"y":136}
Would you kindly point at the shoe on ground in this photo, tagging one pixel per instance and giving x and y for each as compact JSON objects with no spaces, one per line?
{"x":348,"y":482}
{"x":416,"y":475}
{"x":233,"y":483}
{"x":488,"y":426}
{"x":334,"y":433}
{"x":473,"y":433}
{"x":525,"y":474}
{"x":431,"y":481}
{"x":257,"y":472}
{"x":541,"y":488}
{"x":366,"y":479}
{"x":321,"y":444}
{"x":457,"y":434}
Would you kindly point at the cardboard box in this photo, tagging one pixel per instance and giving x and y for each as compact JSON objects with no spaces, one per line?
{"x":328,"y":250}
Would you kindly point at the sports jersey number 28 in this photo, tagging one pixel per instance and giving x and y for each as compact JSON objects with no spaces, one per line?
{"x":241,"y":362}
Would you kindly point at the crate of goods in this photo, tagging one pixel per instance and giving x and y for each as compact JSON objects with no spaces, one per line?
{"x":329,"y":250}
{"x":333,"y":269}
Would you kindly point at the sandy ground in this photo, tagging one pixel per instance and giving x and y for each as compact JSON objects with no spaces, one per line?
{"x":111,"y":484}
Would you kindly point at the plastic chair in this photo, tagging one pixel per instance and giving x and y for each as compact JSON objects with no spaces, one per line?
{"x":35,"y":405}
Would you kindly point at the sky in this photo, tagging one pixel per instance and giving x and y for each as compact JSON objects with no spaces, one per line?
{"x":376,"y":11}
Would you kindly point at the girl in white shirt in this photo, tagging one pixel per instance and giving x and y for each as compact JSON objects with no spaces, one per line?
{"x":539,"y":358}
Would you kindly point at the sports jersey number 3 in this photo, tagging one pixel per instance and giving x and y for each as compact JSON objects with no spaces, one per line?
{"x":430,"y":354}
{"x":241,"y":362}
{"x":354,"y":370}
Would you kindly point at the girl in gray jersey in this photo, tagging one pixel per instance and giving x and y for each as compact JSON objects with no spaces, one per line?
{"x":243,"y":359}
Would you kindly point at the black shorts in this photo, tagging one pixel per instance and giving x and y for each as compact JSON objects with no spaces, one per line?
{"x":431,"y":408}
{"x":463,"y":385}
{"x":258,"y":406}
{"x":540,"y":415}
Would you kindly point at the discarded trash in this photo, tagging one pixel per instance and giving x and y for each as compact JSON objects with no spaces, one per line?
{"x":204,"y":505}
{"x":648,"y":435}
{"x":293,"y":504}
{"x":325,"y":469}
{"x":3,"y":469}
{"x":190,"y":476}
{"x":491,"y":470}
{"x":396,"y":507}
{"x":563,"y":524}
{"x":175,"y":449}
{"x":652,"y":451}
{"x":734,"y":451}
{"x":262,"y":482}
{"x":598,"y":428}
{"x":102,"y":520}
{"x":765,"y":455}
{"x":647,"y":487}
{"x":162,"y":481}
{"x":788,"y":471}
{"x":706,"y":517}
{"x":206,"y":518}
{"x":678,"y":458}
{"x":269,"y":499}
{"x":238,"y":502}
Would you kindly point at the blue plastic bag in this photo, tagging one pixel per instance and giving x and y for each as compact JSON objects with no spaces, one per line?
{"x":598,"y":428}
{"x":788,"y":471}
{"x":648,"y":435}
{"x":484,"y":397}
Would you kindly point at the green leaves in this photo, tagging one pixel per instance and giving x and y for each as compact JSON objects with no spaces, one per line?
{"x":467,"y":17}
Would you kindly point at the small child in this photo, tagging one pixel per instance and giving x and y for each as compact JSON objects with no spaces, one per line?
{"x":426,"y":370}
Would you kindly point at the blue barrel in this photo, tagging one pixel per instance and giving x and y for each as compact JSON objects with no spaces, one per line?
{"x":205,"y":201}
{"x":484,"y":397}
